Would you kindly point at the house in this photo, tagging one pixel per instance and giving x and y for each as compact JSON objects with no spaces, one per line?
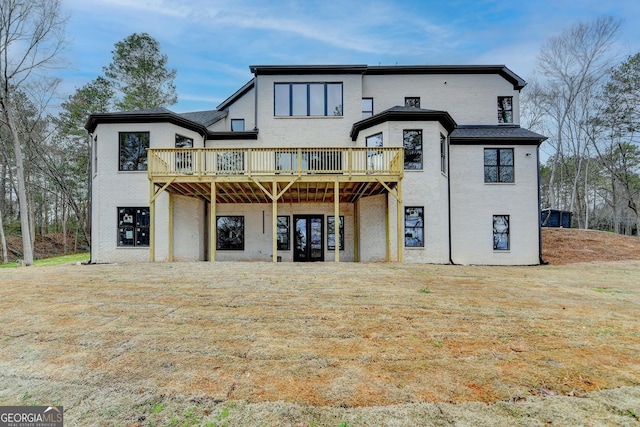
{"x":422,"y":164}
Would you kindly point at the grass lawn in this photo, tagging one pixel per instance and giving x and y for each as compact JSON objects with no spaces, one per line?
{"x":282,"y":344}
{"x":65,"y":259}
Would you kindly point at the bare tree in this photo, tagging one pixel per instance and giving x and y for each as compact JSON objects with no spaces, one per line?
{"x":573,"y":65}
{"x":31,"y":40}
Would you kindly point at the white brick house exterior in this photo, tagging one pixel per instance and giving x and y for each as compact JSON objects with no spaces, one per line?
{"x":423,"y":164}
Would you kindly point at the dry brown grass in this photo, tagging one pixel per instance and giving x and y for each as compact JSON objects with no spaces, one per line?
{"x":309,"y":345}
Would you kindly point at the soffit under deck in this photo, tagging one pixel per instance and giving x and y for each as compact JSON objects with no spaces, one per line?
{"x":304,"y":190}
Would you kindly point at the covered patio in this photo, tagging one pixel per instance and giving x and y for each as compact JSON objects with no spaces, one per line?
{"x":276,"y":175}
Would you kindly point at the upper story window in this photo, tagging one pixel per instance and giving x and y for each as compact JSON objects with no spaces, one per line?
{"x":374,"y":157}
{"x":307,"y":99}
{"x":237,"y":125}
{"x":443,"y":153}
{"x":505,"y":109}
{"x":367,"y":107}
{"x":184,"y":161}
{"x":498,"y":165}
{"x":183,"y":141}
{"x":412,"y":141}
{"x":133,"y":151}
{"x":412,"y":101}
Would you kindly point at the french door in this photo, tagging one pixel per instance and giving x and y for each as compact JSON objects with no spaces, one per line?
{"x":308,"y":238}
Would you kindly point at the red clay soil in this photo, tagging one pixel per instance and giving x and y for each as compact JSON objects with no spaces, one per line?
{"x":569,"y":245}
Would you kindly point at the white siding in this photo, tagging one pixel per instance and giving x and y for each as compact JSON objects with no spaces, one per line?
{"x":473,"y":204}
{"x":469,"y":99}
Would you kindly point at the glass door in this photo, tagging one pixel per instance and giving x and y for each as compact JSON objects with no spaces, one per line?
{"x":309,"y":237}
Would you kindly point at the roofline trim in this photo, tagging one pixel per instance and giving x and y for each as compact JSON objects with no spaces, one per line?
{"x":411,"y":116}
{"x":502,"y":70}
{"x":240,"y":92}
{"x":232,"y":135}
{"x":143,"y":117}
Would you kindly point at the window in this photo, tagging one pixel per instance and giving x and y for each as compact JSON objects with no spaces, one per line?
{"x":331,"y":232}
{"x":237,"y":125}
{"x":230,"y":162}
{"x":374,"y":157}
{"x":443,"y":153}
{"x":414,"y":227}
{"x":498,"y":165}
{"x":184,"y":160}
{"x":501,"y":232}
{"x":95,"y":154}
{"x":367,"y":107}
{"x":133,"y":226}
{"x":133,"y":151}
{"x":284,"y":233}
{"x":318,"y":161}
{"x":308,"y":99}
{"x":505,"y":109}
{"x":412,"y":101}
{"x":412,"y":140}
{"x":230,"y":233}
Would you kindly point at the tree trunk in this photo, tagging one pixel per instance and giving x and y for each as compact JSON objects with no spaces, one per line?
{"x":3,"y":241}
{"x":25,"y":226}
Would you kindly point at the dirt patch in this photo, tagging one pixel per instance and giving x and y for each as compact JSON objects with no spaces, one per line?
{"x":46,"y":246}
{"x":312,"y":345}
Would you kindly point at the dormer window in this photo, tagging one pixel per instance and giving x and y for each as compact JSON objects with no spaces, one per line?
{"x":237,"y":125}
{"x":505,"y":109}
{"x":412,"y":101}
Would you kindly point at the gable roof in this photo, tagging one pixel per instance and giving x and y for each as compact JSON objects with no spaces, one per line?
{"x":205,"y":118}
{"x":401,"y":113}
{"x":233,"y":98}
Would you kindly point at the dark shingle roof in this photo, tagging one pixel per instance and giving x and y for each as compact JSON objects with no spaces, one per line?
{"x":205,"y":118}
{"x":401,"y":113}
{"x":471,"y":134}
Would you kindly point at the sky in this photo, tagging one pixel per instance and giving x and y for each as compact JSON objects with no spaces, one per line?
{"x":212,"y":43}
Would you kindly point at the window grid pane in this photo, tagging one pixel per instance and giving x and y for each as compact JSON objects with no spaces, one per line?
{"x":230,"y":233}
{"x":412,"y":140}
{"x":308,"y":99}
{"x":331,"y":233}
{"x":505,"y":109}
{"x":133,"y":151}
{"x":414,"y":227}
{"x":498,"y":165}
{"x":284,"y":234}
{"x":501,"y":232}
{"x":133,"y":226}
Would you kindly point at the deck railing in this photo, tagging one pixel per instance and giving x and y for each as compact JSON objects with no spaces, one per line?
{"x":282,"y":161}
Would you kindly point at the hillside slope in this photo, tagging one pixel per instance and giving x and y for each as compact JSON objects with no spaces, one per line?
{"x":570,"y":245}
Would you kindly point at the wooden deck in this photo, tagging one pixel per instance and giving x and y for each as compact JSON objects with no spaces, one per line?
{"x":297,"y":174}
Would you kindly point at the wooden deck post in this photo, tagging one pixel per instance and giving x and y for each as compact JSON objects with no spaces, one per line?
{"x":400,"y":221}
{"x":170,"y":227}
{"x":274,"y":221}
{"x":336,"y":219}
{"x":213,"y":227}
{"x":152,"y":222}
